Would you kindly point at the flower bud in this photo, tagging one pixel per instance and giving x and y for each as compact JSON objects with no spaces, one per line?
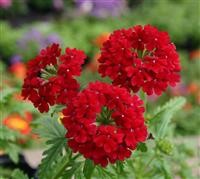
{"x":165,"y":146}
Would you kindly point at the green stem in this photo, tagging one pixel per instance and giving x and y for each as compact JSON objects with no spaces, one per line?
{"x":60,"y":172}
{"x":148,"y":163}
{"x":76,"y":156}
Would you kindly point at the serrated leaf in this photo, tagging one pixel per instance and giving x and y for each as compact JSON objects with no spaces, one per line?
{"x":88,"y":168}
{"x":59,"y":165}
{"x":162,"y":116}
{"x":175,"y":104}
{"x":8,"y":139}
{"x":56,"y":109}
{"x":18,"y":174}
{"x":70,"y":172}
{"x":8,"y":134}
{"x":104,"y":173}
{"x":50,"y":156}
{"x":13,"y":151}
{"x":120,"y":168}
{"x":52,"y":130}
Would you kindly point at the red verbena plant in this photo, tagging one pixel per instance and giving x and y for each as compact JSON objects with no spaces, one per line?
{"x":105,"y":125}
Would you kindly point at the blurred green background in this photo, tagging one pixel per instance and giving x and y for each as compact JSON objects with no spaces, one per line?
{"x":26,"y":26}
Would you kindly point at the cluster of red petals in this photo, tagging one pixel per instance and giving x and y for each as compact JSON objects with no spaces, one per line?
{"x":140,"y":57}
{"x":58,"y":89}
{"x":104,"y":143}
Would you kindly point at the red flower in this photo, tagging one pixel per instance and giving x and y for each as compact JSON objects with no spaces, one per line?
{"x":140,"y":57}
{"x":104,"y":123}
{"x":50,"y":77}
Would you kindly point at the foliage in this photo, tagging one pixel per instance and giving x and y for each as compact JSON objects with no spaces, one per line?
{"x":152,"y":159}
{"x":88,"y":168}
{"x":162,"y":116}
{"x":80,"y":29}
{"x":8,"y":143}
{"x":17,"y":174}
{"x":8,"y":46}
{"x":56,"y":141}
{"x":12,"y":141}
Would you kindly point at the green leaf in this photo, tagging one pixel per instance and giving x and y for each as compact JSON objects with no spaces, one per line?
{"x":8,"y":139}
{"x":104,"y":173}
{"x":70,"y":172}
{"x":166,"y":170}
{"x":60,"y":165}
{"x":50,"y":156}
{"x":159,"y":123}
{"x":18,"y":174}
{"x":56,"y":109}
{"x":142,"y":147}
{"x":175,"y":104}
{"x":50,"y":128}
{"x":13,"y":151}
{"x":88,"y":168}
{"x":55,"y":133}
{"x":8,"y":134}
{"x":6,"y":93}
{"x":120,"y":168}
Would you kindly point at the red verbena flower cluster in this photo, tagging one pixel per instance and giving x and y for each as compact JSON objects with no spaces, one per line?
{"x":140,"y":57}
{"x":104,"y":123}
{"x":50,"y":77}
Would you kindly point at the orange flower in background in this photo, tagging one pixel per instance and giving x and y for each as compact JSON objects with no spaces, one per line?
{"x":17,"y":96}
{"x":193,"y":88}
{"x":101,"y":39}
{"x":18,"y":70}
{"x":19,"y":123}
{"x":195,"y":54}
{"x":198,"y":97}
{"x":94,"y":64}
